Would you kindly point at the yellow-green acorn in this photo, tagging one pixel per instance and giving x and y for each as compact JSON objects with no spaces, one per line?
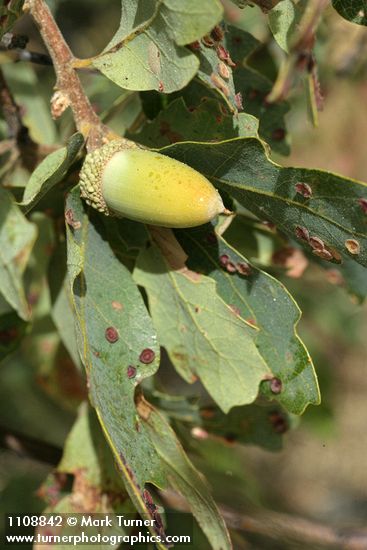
{"x":147,"y":187}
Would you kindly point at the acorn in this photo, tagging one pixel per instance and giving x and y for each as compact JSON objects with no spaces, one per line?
{"x":148,"y":187}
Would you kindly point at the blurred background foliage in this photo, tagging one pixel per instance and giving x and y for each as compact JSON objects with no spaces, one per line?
{"x":320,"y":473}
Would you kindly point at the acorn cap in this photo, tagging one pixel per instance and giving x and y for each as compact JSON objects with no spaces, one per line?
{"x":91,"y":174}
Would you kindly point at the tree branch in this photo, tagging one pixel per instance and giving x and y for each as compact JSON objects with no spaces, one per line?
{"x":282,"y":527}
{"x":69,"y":91}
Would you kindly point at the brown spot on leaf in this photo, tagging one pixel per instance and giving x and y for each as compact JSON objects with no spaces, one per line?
{"x":160,"y":86}
{"x":111,"y":335}
{"x":217,"y":33}
{"x":324,"y":254}
{"x":165,"y":130}
{"x":219,"y":83}
{"x":363,"y":204}
{"x":117,"y":305}
{"x":223,"y":260}
{"x":243,"y":268}
{"x":316,"y":243}
{"x":183,"y":357}
{"x":238,"y":101}
{"x":51,"y":490}
{"x":303,"y":189}
{"x":195,"y":45}
{"x":147,"y":356}
{"x":131,"y":371}
{"x":230,"y":267}
{"x":208,"y":41}
{"x":278,"y":134}
{"x":275,"y":385}
{"x":279,"y":422}
{"x":223,"y":70}
{"x":302,"y":233}
{"x":223,"y":55}
{"x":269,"y":225}
{"x":234,"y":309}
{"x":335,"y":254}
{"x":353,"y":246}
{"x":197,"y":309}
{"x":70,"y":220}
{"x":86,"y":498}
{"x":211,"y":238}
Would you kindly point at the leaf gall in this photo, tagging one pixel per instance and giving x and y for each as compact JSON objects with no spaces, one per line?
{"x":147,"y":356}
{"x":363,"y":204}
{"x":303,"y":189}
{"x":111,"y":335}
{"x":131,"y":371}
{"x":353,"y":246}
{"x":276,"y":385}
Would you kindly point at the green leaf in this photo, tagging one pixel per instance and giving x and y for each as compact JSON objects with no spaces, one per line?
{"x":106,"y":299}
{"x":254,"y":88}
{"x":264,"y":5}
{"x":96,"y":485}
{"x":17,"y":237}
{"x":249,"y":425}
{"x":185,"y":479}
{"x":61,"y":302}
{"x":50,"y":172}
{"x":352,"y":10}
{"x":351,"y":276}
{"x":207,"y":121}
{"x":283,"y":21}
{"x":253,"y":296}
{"x":331,"y":211}
{"x":9,"y":14}
{"x":217,"y":74}
{"x":108,"y":306}
{"x":147,"y":51}
{"x":202,"y":336}
{"x":86,"y":449}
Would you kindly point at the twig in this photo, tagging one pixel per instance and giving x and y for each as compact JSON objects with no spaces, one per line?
{"x":29,"y":447}
{"x":282,"y":527}
{"x":69,"y":89}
